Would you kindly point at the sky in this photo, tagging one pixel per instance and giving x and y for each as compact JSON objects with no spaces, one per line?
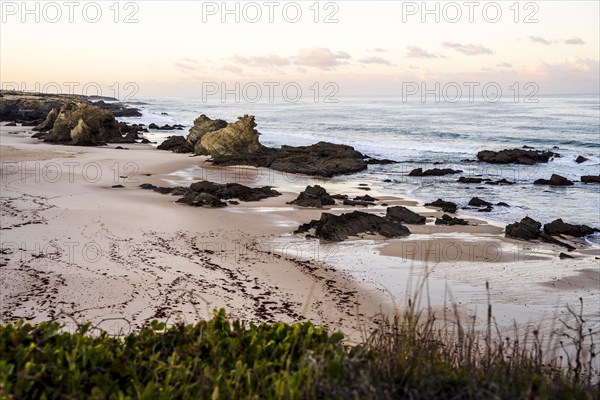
{"x":364,"y":48}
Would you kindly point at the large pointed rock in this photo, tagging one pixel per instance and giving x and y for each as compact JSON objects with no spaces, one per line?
{"x":203,"y":125}
{"x":236,"y":139}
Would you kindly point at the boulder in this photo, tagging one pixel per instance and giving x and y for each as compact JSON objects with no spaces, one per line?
{"x":590,"y":179}
{"x":581,"y":159}
{"x":203,"y":125}
{"x":234,"y":191}
{"x":555,"y":180}
{"x":446,"y":206}
{"x":450,"y":221}
{"x":403,"y":214}
{"x":464,"y":179}
{"x":176,"y":144}
{"x":196,"y":199}
{"x":433,"y":172}
{"x":83,"y":125}
{"x":366,"y":197}
{"x":477,"y":202}
{"x":558,"y":227}
{"x":236,"y":139}
{"x":526,"y":229}
{"x":313,"y":196}
{"x":337,"y":228}
{"x":515,"y":156}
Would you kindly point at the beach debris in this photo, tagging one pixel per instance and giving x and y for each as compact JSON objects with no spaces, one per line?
{"x":337,"y":228}
{"x":555,"y":180}
{"x":446,"y":206}
{"x":516,"y":156}
{"x":313,"y":196}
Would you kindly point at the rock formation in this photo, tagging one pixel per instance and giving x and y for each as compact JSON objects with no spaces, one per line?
{"x":313,"y":196}
{"x":515,"y":156}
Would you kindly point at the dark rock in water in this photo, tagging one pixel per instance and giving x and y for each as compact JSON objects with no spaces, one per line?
{"x":581,"y":159}
{"x":195,"y":199}
{"x":176,"y":144}
{"x":338,"y":228}
{"x":502,"y":181}
{"x":464,"y":179}
{"x":233,"y":202}
{"x":502,"y":204}
{"x":83,"y":125}
{"x":164,"y":113}
{"x":153,"y":126}
{"x":527,"y":147}
{"x":202,"y":126}
{"x":558,"y":227}
{"x":486,"y":209}
{"x":565,"y":255}
{"x":313,"y":196}
{"x":11,"y":124}
{"x":366,"y":197}
{"x":477,"y":202}
{"x":515,"y":156}
{"x":121,"y":148}
{"x":376,"y":161}
{"x":117,"y":186}
{"x":526,"y":229}
{"x":403,"y":214}
{"x":365,"y":188}
{"x":555,"y":180}
{"x":234,"y":191}
{"x":446,"y":206}
{"x":450,"y":221}
{"x":147,"y":186}
{"x":387,"y":180}
{"x":433,"y":172}
{"x":590,"y":179}
{"x":145,"y":141}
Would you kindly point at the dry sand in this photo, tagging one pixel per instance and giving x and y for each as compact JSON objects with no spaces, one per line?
{"x":121,"y":257}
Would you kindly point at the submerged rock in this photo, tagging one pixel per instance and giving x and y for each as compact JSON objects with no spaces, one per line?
{"x":590,"y":179}
{"x":464,"y":179}
{"x":581,"y":159}
{"x":403,"y":214}
{"x":433,"y":172}
{"x":526,"y":229}
{"x":477,"y":202}
{"x":515,"y":156}
{"x":313,"y":196}
{"x":555,"y":180}
{"x":446,"y":206}
{"x":337,"y":228}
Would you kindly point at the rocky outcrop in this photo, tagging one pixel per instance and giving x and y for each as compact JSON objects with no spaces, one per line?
{"x":515,"y":156}
{"x":581,"y":159}
{"x":337,"y":228}
{"x":118,"y":109}
{"x":433,"y":172}
{"x":210,"y":194}
{"x":555,"y":180}
{"x":558,"y":227}
{"x":83,"y":125}
{"x":202,"y":126}
{"x":446,"y":206}
{"x":450,"y":221}
{"x":236,"y":139}
{"x":403,"y":214}
{"x":590,"y":179}
{"x":526,"y":229}
{"x":176,"y":144}
{"x":48,"y":122}
{"x":313,"y":196}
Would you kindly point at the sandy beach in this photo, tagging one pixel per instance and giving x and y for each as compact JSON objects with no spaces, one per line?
{"x":123,"y":256}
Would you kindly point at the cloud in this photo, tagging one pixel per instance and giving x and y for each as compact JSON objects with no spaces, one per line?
{"x":504,"y":65}
{"x":375,"y":60}
{"x":468,"y":49}
{"x":540,"y":40}
{"x":183,"y":67}
{"x":417,"y":52}
{"x":377,"y":50}
{"x":190,"y":60}
{"x":232,"y":68}
{"x":574,"y":40}
{"x":262,"y":61}
{"x":322,"y":58}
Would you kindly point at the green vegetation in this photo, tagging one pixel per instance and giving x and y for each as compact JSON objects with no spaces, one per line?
{"x":413,"y":356}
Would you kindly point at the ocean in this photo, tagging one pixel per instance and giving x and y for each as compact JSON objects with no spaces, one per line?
{"x":420,"y":134}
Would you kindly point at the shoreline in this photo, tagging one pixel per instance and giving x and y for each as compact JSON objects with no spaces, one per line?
{"x":242,"y":266}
